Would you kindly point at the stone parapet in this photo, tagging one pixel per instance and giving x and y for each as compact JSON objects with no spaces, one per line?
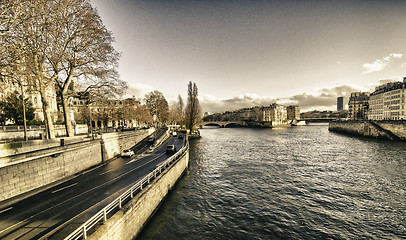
{"x":16,"y":148}
{"x":114,"y":143}
{"x":392,"y":130}
{"x":27,"y":166}
{"x":16,"y":133}
{"x":128,"y":222}
{"x":26,"y":174}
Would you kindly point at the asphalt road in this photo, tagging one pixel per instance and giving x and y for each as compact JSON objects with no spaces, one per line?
{"x":58,"y":211}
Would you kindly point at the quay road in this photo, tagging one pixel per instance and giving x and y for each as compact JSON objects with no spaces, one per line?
{"x":58,"y":211}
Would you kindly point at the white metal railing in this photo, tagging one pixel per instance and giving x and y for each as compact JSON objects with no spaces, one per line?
{"x":115,"y":205}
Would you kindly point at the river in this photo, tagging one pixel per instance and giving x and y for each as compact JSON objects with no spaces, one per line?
{"x":288,"y":183}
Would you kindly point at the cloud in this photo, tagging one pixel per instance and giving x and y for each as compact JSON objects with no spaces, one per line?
{"x":380,"y":64}
{"x":213,"y":104}
{"x":322,"y":99}
{"x":138,"y":90}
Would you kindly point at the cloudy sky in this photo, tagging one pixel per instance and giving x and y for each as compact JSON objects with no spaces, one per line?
{"x":242,"y":53}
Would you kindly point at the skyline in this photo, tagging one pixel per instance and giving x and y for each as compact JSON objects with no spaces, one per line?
{"x":246,"y":53}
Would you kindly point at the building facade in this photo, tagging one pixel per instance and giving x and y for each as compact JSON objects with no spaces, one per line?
{"x":293,"y":112}
{"x":34,"y":97}
{"x":272,"y":115}
{"x":109,"y":113}
{"x":358,"y":106}
{"x":387,"y":102}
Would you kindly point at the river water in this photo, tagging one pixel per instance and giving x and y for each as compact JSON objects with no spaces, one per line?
{"x":288,"y":183}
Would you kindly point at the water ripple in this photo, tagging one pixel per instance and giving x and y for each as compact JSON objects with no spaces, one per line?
{"x":293,"y":183}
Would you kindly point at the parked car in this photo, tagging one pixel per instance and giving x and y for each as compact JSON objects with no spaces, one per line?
{"x":170,"y":149}
{"x":151,"y":139}
{"x":180,"y":135}
{"x":127,"y":153}
{"x":174,"y":133}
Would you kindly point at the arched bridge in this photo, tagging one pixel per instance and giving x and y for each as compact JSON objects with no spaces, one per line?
{"x":222,"y":124}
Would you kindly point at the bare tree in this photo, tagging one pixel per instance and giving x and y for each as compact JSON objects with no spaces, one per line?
{"x":158,"y":106}
{"x":80,"y":48}
{"x":143,"y":115}
{"x":173,"y":113}
{"x":193,"y":110}
{"x":62,"y":41}
{"x":12,"y":61}
{"x":176,"y":111}
{"x":180,"y":107}
{"x":22,"y":26}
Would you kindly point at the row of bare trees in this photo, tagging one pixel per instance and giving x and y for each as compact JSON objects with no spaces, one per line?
{"x":188,"y":116}
{"x":47,"y":44}
{"x":44,"y":44}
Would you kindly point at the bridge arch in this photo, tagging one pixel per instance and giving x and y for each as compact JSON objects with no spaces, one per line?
{"x":214,"y":124}
{"x":222,"y":124}
{"x":233,"y":124}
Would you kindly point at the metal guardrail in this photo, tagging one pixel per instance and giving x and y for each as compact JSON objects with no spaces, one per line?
{"x":115,"y":205}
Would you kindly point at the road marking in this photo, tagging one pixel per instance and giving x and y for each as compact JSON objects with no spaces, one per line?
{"x":142,"y":149}
{"x":160,"y":155}
{"x":77,"y":196}
{"x":5,"y":210}
{"x":107,"y":171}
{"x":64,"y":188}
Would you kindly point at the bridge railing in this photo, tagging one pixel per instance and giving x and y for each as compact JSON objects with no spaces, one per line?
{"x":115,"y":205}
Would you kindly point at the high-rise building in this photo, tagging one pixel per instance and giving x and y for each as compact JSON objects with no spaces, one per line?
{"x":340,"y":103}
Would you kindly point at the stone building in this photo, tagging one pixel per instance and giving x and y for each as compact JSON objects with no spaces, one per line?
{"x":293,"y":112}
{"x":109,"y":113}
{"x":34,"y":97}
{"x":274,"y":114}
{"x":387,"y":102}
{"x":271,"y":115}
{"x":358,"y":106}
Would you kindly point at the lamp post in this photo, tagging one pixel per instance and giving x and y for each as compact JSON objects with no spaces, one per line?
{"x":90,"y":118}
{"x":24,"y":114}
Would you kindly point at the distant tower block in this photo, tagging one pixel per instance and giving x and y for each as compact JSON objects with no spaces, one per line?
{"x":340,"y":103}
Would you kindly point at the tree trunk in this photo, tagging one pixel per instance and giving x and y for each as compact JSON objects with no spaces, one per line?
{"x":24,"y":117}
{"x":47,"y":114}
{"x":68,"y":122}
{"x":38,"y":65}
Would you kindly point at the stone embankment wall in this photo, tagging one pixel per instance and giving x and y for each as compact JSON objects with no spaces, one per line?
{"x":398,"y":128}
{"x":16,"y":133}
{"x":127,"y":223}
{"x":393,"y":130}
{"x":25,"y":173}
{"x":14,"y":148}
{"x":25,"y":169}
{"x":114,"y":143}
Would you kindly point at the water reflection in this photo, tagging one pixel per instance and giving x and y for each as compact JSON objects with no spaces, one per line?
{"x":290,"y":183}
